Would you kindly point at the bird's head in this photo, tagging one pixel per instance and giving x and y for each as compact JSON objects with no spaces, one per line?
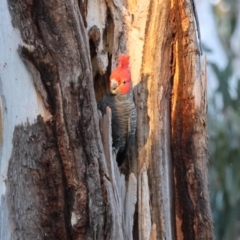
{"x":120,"y":79}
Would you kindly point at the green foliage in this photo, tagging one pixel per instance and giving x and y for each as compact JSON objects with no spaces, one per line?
{"x":223,"y":77}
{"x":224,"y":133}
{"x":224,"y":173}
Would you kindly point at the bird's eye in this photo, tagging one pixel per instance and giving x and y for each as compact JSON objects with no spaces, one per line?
{"x":124,"y":82}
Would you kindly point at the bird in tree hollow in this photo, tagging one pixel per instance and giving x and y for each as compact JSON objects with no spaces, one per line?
{"x":124,"y":114}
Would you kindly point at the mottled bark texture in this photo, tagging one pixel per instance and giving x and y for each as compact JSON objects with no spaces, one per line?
{"x":58,"y":53}
{"x":36,"y":196}
{"x":63,"y":181}
{"x":188,"y":131}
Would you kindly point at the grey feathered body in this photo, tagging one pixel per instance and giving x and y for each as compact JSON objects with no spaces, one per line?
{"x":124,"y":117}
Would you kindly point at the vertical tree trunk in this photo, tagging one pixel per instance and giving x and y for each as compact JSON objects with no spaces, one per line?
{"x":62,"y":178}
{"x":188,"y":132}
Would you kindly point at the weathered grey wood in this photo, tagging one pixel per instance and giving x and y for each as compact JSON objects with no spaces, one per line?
{"x":153,"y":95}
{"x":114,"y":201}
{"x":144,"y":222}
{"x":123,"y":195}
{"x":129,"y":208}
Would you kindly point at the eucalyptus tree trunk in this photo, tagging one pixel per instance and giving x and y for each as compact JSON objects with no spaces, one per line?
{"x":60,"y":177}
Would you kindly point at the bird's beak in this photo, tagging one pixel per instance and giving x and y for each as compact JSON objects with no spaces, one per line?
{"x":113,"y":86}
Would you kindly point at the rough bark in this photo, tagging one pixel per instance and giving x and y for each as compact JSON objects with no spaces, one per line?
{"x":153,"y":97}
{"x":66,"y":162}
{"x":188,"y":132}
{"x":59,"y":52}
{"x":35,"y":184}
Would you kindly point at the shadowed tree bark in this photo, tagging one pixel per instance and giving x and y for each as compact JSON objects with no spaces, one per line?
{"x":62,"y":178}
